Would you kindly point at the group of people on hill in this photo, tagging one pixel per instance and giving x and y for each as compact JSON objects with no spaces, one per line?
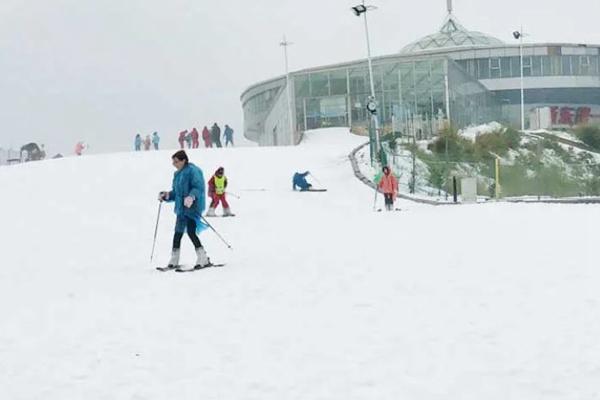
{"x":147,"y":143}
{"x":211,"y":138}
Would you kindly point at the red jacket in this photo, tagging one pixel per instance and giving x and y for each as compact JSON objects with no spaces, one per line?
{"x":195,"y":135}
{"x":388,"y":184}
{"x":206,"y":135}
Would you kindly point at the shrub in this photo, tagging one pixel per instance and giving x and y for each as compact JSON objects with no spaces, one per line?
{"x":590,"y":135}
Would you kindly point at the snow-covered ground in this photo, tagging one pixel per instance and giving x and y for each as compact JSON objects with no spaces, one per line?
{"x":321,"y":297}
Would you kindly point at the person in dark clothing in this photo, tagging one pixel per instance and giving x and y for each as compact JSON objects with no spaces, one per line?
{"x":215,"y":132}
{"x":228,"y":135}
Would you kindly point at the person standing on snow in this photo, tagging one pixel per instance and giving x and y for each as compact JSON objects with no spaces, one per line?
{"x":299,"y":181}
{"x":155,"y":140}
{"x":206,"y":137}
{"x":216,"y":191}
{"x":389,"y":186}
{"x":147,"y":143}
{"x":138,"y":142}
{"x":79,"y":147}
{"x":188,"y":194}
{"x":195,"y":136}
{"x":228,"y":135}
{"x":181,"y":139}
{"x":215,"y":133}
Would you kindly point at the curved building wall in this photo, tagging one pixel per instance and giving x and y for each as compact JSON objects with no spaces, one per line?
{"x":463,"y":85}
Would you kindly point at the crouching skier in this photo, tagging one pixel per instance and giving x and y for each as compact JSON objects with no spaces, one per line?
{"x":216,"y":191}
{"x":299,"y":180}
{"x":188,"y":194}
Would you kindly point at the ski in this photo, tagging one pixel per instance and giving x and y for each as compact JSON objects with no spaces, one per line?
{"x":314,"y":190}
{"x":167,"y":268}
{"x":196,"y":268}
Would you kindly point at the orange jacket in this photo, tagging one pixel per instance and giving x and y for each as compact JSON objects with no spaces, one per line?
{"x":388,"y":184}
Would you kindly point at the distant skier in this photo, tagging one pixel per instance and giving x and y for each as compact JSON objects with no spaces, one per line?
{"x":79,"y":147}
{"x":216,"y":191}
{"x":138,"y":142}
{"x":206,"y":137}
{"x":188,"y":194}
{"x":215,"y":133}
{"x":155,"y":140}
{"x":147,"y":143}
{"x":299,"y":181}
{"x":388,"y":184}
{"x":195,"y":138}
{"x":181,"y":139}
{"x":228,"y":135}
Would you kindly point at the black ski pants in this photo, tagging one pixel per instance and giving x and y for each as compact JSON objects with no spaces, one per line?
{"x":189,"y":225}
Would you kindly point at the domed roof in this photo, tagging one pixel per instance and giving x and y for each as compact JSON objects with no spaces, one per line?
{"x":451,"y":34}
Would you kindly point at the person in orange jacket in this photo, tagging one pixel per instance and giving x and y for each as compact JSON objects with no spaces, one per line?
{"x":389,"y":186}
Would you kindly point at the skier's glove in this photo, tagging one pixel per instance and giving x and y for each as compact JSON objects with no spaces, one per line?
{"x":188,"y":201}
{"x":162,"y":196}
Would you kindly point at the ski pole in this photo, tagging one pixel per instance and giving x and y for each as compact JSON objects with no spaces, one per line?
{"x":316,"y":179}
{"x":156,"y":230}
{"x":375,"y":200}
{"x":234,"y":195}
{"x":216,"y":233}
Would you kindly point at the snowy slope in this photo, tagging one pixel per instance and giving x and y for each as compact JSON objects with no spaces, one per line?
{"x":321,"y":299}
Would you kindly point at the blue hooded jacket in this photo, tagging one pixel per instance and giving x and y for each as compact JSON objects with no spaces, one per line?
{"x":300,"y":181}
{"x":155,"y":138}
{"x":189,"y":181}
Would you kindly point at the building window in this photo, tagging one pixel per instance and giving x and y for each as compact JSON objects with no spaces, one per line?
{"x":566,"y":65}
{"x":495,"y":71}
{"x":536,"y":65}
{"x":585,"y":65}
{"x":505,"y":67}
{"x":483,"y":67}
{"x":515,"y":66}
{"x":527,"y":66}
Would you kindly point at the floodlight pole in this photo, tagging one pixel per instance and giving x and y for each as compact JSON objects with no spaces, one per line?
{"x":285,"y":45}
{"x":522,"y":84}
{"x":373,"y":116}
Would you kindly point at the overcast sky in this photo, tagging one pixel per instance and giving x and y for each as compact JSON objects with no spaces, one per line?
{"x":101,"y":71}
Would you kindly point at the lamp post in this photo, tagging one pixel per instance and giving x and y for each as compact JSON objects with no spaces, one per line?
{"x":359,"y":10}
{"x":519,"y":36}
{"x":285,"y":45}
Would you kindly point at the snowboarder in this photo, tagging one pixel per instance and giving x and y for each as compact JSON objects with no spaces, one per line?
{"x":181,"y":139}
{"x":389,"y":186}
{"x":147,"y":143}
{"x":138,"y":142}
{"x":155,"y":140}
{"x":216,"y":191}
{"x":188,"y":194}
{"x":195,"y":136}
{"x":228,"y":135}
{"x":299,"y":181}
{"x":206,"y":137}
{"x":215,"y":133}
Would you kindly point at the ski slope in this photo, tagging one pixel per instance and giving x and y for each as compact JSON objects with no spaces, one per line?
{"x":321,"y":298}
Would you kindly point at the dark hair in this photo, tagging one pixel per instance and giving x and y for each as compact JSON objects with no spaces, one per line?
{"x":181,"y":156}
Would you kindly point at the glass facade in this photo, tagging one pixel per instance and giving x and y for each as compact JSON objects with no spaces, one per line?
{"x":552,"y":65}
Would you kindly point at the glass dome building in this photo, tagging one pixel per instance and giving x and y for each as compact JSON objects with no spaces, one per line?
{"x":454,"y":76}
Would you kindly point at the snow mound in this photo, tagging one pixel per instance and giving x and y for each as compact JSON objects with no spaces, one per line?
{"x":472,"y":132}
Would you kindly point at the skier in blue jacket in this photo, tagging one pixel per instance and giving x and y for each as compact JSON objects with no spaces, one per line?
{"x":188,"y":194}
{"x":155,"y":140}
{"x":299,"y":181}
{"x":138,"y":142}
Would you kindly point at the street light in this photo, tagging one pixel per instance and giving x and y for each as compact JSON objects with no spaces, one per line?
{"x":518,"y":35}
{"x":359,"y":10}
{"x":285,"y":45}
